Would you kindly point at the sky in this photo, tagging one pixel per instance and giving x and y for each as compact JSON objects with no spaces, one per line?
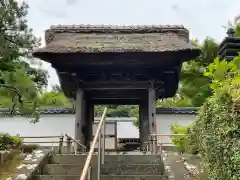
{"x":204,"y":18}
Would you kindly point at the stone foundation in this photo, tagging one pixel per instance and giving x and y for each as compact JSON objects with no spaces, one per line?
{"x":30,"y":165}
{"x":4,"y":156}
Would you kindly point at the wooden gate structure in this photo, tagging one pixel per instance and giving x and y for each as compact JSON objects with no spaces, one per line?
{"x":117,"y":65}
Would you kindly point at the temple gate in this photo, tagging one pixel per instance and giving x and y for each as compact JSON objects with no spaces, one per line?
{"x":130,"y":65}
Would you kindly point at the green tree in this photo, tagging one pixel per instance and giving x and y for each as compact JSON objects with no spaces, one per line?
{"x":38,"y":76}
{"x":16,"y":44}
{"x":181,"y":140}
{"x":194,"y":85}
{"x":177,"y":101}
{"x":56,"y":88}
{"x":54,"y":99}
{"x":237,"y":30}
{"x":235,"y":25}
{"x":117,"y":111}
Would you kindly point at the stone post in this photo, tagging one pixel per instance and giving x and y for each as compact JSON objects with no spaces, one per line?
{"x":69,"y":145}
{"x":60,"y":144}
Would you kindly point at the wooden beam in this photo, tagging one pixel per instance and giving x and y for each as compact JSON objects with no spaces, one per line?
{"x":116,"y":101}
{"x":160,"y":59}
{"x":117,"y":94}
{"x":115,"y":73}
{"x":117,"y":85}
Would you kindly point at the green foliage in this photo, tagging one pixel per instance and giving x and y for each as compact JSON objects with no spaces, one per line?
{"x":8,"y":142}
{"x":20,"y":84}
{"x":16,"y":38}
{"x":56,"y":88}
{"x":193,"y":84}
{"x":117,"y":111}
{"x":237,"y":30}
{"x":192,"y":140}
{"x":217,"y":128}
{"x":179,"y":141}
{"x":37,"y":75}
{"x":176,"y":101}
{"x":234,"y":25}
{"x":54,"y":99}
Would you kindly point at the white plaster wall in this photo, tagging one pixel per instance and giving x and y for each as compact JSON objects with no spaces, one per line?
{"x":127,"y":130}
{"x":164,"y":120}
{"x":109,"y":128}
{"x":55,"y":125}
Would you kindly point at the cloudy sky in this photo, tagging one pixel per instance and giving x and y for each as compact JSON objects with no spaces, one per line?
{"x":202,"y":18}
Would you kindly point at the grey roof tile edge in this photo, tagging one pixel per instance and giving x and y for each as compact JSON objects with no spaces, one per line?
{"x":183,"y":110}
{"x":49,"y":111}
{"x":112,"y":50}
{"x":46,"y":111}
{"x":87,"y":27}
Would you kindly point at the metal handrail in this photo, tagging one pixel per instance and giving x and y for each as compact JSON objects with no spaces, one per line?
{"x":90,"y":154}
{"x":167,"y":134}
{"x":61,"y":141}
{"x":38,"y":137}
{"x":153,"y":141}
{"x":75,"y":142}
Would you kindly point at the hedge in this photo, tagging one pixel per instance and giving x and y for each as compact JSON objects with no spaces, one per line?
{"x":8,"y":142}
{"x":216,"y":131}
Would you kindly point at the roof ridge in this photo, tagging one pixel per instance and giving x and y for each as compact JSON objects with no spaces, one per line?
{"x":117,"y":26}
{"x":115,"y":29}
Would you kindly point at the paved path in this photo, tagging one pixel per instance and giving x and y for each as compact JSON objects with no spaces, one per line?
{"x":174,"y":165}
{"x":180,"y":169}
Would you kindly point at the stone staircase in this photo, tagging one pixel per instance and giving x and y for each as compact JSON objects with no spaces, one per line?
{"x":122,"y":166}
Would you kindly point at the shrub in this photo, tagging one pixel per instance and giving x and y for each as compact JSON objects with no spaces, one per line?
{"x":16,"y":141}
{"x":192,"y":141}
{"x":179,"y":141}
{"x":7,"y":141}
{"x":217,"y":127}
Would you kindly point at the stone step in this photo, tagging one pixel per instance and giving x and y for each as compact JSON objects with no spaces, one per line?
{"x":132,"y":169}
{"x":57,"y":177}
{"x":133,"y":177}
{"x":103,"y":177}
{"x":126,"y":159}
{"x":107,"y":169}
{"x":62,"y":169}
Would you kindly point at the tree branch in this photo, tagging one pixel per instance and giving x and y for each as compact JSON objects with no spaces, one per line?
{"x":16,"y":91}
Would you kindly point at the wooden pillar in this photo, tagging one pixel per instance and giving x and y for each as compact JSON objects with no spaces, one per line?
{"x":79,"y":117}
{"x":143,"y":124}
{"x":152,"y":110}
{"x":89,"y":122}
{"x":152,"y":113}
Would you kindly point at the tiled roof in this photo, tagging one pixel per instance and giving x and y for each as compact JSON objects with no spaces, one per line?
{"x":188,"y":110}
{"x":49,"y":111}
{"x":108,"y":38}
